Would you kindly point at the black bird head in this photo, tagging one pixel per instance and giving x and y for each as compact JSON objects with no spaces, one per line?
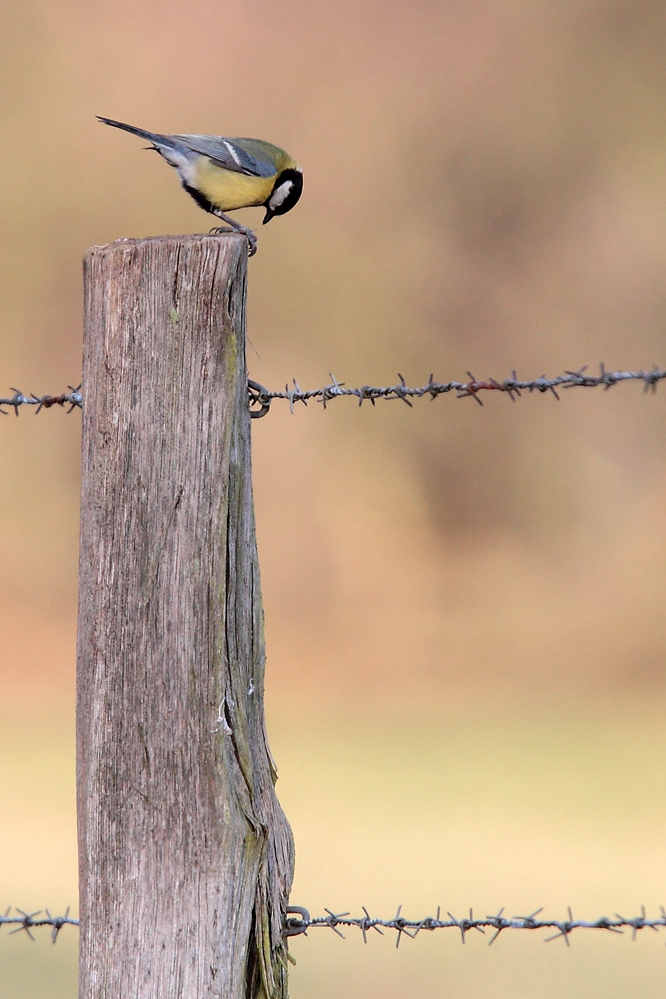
{"x":287,"y":189}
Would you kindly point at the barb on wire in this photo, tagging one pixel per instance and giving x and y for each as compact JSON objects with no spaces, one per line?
{"x":514,"y":386}
{"x":299,"y":921}
{"x":26,"y":921}
{"x":73,"y":399}
{"x":412,"y":927}
{"x":260,"y":398}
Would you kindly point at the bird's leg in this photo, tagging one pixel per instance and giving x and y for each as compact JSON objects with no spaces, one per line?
{"x":235,"y":227}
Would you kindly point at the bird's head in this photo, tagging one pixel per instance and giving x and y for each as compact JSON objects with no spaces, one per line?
{"x":287,"y":189}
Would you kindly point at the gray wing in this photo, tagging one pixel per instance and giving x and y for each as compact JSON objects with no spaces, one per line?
{"x":227,"y":154}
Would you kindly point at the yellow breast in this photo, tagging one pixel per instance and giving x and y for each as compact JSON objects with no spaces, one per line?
{"x":227,"y":190}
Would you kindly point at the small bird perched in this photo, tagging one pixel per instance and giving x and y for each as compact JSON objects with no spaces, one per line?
{"x":225,"y":174}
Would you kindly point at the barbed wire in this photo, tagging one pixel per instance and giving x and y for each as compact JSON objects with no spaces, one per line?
{"x":28,"y":920}
{"x":514,"y":386}
{"x":73,"y":399}
{"x":299,"y":922}
{"x":412,"y":927}
{"x":260,"y":398}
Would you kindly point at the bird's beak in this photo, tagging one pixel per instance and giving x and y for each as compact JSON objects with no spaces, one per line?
{"x":268,"y":216}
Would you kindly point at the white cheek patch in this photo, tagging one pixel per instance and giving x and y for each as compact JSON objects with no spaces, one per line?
{"x":280,"y":195}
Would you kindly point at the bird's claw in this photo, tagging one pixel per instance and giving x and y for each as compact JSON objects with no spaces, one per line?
{"x":250,"y":236}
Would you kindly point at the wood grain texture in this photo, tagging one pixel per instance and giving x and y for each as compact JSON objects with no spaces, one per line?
{"x":186,"y":858}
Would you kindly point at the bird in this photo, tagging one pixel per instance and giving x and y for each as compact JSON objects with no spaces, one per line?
{"x":224,"y":174}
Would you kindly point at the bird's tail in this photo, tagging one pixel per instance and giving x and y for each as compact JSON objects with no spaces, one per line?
{"x":141,"y":132}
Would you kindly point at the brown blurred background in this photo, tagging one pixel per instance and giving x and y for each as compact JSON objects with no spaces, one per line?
{"x":465,"y":605}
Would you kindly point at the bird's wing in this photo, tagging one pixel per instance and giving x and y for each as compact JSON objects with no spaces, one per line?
{"x":227,"y":154}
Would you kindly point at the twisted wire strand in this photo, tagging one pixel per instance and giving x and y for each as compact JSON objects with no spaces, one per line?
{"x":260,"y":398}
{"x":28,"y":920}
{"x":299,"y":922}
{"x":73,"y":399}
{"x":412,"y":927}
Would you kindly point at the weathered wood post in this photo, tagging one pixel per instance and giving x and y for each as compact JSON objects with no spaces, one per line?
{"x":186,"y":858}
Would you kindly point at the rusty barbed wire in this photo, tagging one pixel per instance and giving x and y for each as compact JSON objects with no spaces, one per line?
{"x":412,"y":927}
{"x":28,"y":920}
{"x":73,"y":399}
{"x":262,"y":397}
{"x":299,"y":921}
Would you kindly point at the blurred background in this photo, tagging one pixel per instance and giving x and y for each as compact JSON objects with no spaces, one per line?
{"x":465,"y":620}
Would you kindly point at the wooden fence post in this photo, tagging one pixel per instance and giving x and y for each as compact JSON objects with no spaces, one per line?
{"x":186,"y":858}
